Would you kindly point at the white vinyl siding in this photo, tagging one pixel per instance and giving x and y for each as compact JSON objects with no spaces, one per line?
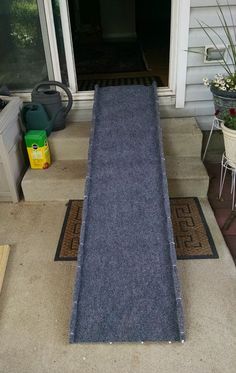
{"x":198,"y":98}
{"x":204,"y":3}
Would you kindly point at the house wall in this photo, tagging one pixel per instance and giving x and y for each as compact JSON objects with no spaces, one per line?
{"x":198,"y":98}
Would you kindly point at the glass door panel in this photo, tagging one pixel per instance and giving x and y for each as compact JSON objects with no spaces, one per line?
{"x":22,"y":62}
{"x":60,"y":41}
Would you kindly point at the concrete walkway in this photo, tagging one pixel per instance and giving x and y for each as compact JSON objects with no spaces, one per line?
{"x":35,"y":306}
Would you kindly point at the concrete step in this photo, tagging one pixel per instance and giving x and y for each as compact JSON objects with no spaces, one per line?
{"x":70,"y":143}
{"x":65,"y":180}
{"x":62,"y":181}
{"x":187,"y":177}
{"x":181,"y":137}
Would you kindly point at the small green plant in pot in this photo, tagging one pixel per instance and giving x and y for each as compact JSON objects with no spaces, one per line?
{"x":229,"y":119}
{"x":228,"y":126}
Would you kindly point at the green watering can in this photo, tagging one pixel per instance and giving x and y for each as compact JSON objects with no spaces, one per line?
{"x":52,"y":101}
{"x":35,"y":117}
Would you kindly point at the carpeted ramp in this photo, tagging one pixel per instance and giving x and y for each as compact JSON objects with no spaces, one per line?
{"x":127,"y":288}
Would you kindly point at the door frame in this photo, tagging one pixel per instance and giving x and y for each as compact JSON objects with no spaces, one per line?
{"x":49,"y":39}
{"x":68,"y":45}
{"x":180,"y":22}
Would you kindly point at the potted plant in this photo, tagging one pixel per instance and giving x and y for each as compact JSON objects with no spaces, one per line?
{"x":223,"y":86}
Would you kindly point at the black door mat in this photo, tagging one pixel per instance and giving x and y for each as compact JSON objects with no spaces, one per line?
{"x":89,"y":84}
{"x":192,"y":235}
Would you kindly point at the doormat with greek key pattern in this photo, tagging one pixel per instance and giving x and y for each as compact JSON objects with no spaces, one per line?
{"x":193,"y":239}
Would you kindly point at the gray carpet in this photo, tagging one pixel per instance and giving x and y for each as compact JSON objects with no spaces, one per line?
{"x":127,"y":287}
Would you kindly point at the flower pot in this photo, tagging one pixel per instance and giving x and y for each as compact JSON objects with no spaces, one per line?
{"x":230,"y":144}
{"x":223,"y":101}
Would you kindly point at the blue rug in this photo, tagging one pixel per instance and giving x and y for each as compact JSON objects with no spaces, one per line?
{"x":127,"y":287}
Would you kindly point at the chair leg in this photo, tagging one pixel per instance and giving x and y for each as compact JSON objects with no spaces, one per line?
{"x":222,"y":178}
{"x":208,"y":140}
{"x":233,"y":189}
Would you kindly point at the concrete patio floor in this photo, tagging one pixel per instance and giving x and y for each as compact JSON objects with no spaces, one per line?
{"x":35,"y":305}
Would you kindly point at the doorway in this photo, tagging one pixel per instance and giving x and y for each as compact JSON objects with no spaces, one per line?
{"x":120,"y":41}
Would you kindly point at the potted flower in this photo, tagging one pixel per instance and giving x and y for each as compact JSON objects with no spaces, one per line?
{"x":223,"y":88}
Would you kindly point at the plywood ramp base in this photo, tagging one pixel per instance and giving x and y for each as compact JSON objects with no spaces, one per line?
{"x":4,"y":253}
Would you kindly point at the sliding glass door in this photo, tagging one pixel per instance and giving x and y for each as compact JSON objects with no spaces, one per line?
{"x":23,"y":60}
{"x":35,"y":44}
